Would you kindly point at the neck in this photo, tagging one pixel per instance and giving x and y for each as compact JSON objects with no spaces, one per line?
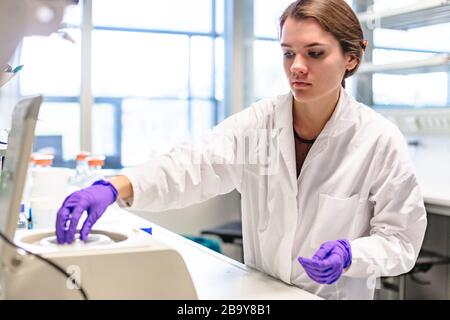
{"x":310,"y":117}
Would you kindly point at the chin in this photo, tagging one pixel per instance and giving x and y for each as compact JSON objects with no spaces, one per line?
{"x":303,"y":95}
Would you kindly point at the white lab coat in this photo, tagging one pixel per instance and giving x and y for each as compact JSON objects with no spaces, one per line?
{"x":357,"y":182}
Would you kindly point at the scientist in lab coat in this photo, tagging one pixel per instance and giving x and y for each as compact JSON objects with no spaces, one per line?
{"x":330,"y":200}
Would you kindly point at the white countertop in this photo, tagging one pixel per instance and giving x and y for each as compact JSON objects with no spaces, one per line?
{"x":431,"y":161}
{"x":437,"y":193}
{"x":436,"y":197}
{"x":216,"y":276}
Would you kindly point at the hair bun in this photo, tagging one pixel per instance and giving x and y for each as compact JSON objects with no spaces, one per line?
{"x":363,"y":44}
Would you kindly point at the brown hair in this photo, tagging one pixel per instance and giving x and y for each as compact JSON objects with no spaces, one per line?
{"x":337,"y":18}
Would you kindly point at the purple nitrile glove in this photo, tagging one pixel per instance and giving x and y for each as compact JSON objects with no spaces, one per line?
{"x":328,"y":262}
{"x":93,"y":199}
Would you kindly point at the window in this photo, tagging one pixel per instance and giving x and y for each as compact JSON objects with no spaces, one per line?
{"x":104,"y":117}
{"x":151,"y":127}
{"x":268,"y":74}
{"x":162,"y":64}
{"x":156,"y":74}
{"x":52,"y":68}
{"x":58,"y":130}
{"x":168,"y":15}
{"x":267,"y":13}
{"x":139,"y":64}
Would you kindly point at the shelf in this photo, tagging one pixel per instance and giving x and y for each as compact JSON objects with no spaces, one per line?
{"x":410,"y":107}
{"x":420,"y":14}
{"x":438,"y":63}
{"x":415,"y":121}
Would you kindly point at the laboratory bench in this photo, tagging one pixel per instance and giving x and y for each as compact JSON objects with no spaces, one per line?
{"x":431,"y":280}
{"x":436,"y":197}
{"x":215,"y":276}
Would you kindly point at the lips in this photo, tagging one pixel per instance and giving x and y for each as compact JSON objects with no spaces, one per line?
{"x":301,"y":84}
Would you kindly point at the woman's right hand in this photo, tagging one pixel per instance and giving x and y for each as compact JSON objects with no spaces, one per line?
{"x":94,"y":200}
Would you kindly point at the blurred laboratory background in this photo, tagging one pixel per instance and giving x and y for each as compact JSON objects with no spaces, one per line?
{"x":128,"y":79}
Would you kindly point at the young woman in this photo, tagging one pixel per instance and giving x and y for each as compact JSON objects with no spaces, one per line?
{"x":329,"y":197}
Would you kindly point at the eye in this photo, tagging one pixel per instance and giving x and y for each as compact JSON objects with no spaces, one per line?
{"x":288,"y":55}
{"x":315,"y":54}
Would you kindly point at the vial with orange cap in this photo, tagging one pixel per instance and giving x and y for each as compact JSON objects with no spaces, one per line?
{"x":95,"y":164}
{"x":81,"y":169}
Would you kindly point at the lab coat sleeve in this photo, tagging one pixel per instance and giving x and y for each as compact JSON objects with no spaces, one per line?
{"x":191,"y":173}
{"x":399,"y":217}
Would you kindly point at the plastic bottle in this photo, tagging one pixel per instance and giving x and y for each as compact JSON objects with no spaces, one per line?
{"x":50,"y":186}
{"x":95,"y":169}
{"x":81,"y":169}
{"x":43,"y":161}
{"x":23,"y":221}
{"x":39,"y":162}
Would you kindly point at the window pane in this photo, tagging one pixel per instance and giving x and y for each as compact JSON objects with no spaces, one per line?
{"x":220,"y":14}
{"x":72,"y":15}
{"x":428,"y":38}
{"x":50,"y":124}
{"x":139,"y":64}
{"x":51,"y":65}
{"x":267,"y":13}
{"x":202,"y":113}
{"x":151,"y":127}
{"x":103,"y":130}
{"x":201,"y":63}
{"x":168,"y":14}
{"x":429,"y":89}
{"x":269,"y":77}
{"x":220,"y":66}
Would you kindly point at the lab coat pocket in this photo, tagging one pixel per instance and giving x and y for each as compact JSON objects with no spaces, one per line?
{"x":334,"y":219}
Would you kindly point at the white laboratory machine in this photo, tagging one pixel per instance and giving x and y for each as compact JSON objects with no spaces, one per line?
{"x":118,"y":262}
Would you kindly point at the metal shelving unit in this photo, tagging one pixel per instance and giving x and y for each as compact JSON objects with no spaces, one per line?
{"x":437,"y":63}
{"x":420,"y":14}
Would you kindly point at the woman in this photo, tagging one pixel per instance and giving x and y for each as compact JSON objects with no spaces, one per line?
{"x":329,"y":197}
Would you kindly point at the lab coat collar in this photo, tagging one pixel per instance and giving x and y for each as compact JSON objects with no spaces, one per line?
{"x":284,"y":124}
{"x":341,"y":120}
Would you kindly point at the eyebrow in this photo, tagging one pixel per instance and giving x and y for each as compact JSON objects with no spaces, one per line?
{"x":307,"y":46}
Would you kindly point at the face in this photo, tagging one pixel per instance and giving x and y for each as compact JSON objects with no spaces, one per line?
{"x":313,"y":59}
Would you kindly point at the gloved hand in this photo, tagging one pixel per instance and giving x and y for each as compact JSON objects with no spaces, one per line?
{"x":93,"y":199}
{"x":328,"y":262}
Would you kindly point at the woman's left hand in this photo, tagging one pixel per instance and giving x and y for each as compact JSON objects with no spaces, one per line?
{"x":328,"y":262}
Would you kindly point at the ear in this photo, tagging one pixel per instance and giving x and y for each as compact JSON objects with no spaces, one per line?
{"x":351,"y":62}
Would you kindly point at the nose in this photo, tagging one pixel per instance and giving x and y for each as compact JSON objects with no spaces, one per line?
{"x":299,"y":65}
